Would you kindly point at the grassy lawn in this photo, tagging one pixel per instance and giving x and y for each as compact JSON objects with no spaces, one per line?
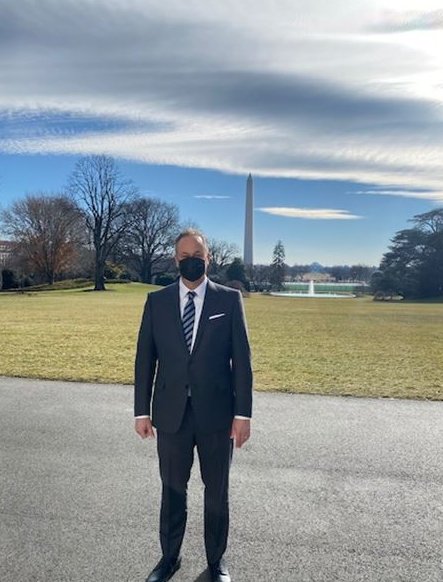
{"x":329,"y":346}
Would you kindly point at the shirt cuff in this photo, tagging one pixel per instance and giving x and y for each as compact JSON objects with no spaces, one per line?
{"x":236,"y":416}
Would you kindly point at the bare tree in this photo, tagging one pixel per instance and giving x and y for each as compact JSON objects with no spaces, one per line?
{"x":105,"y":198}
{"x":150,"y":238}
{"x":222,"y":253}
{"x":46,"y":230}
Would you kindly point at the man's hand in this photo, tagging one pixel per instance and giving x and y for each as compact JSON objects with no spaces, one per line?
{"x":241,"y":431}
{"x":143,"y":427}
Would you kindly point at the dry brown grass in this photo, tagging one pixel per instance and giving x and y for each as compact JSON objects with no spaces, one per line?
{"x":328,"y":346}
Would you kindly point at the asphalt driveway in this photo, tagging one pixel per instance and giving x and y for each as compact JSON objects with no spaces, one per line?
{"x":327,"y":489}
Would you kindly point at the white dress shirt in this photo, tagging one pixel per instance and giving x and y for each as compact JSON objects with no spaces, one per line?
{"x":199,"y":298}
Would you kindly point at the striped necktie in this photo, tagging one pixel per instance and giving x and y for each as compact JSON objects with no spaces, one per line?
{"x":188,"y":319}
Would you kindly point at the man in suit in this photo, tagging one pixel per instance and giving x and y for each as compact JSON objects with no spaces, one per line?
{"x":193,"y":363}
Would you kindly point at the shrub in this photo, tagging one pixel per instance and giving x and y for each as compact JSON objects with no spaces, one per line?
{"x":9,"y":279}
{"x":165,"y":280}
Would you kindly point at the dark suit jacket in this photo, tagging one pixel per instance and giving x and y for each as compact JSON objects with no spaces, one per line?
{"x":218,"y":372}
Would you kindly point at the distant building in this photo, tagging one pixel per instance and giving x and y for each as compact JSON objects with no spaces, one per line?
{"x":6,"y":251}
{"x":317,"y":277}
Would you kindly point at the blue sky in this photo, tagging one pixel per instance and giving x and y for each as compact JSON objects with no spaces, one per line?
{"x":334,"y":107}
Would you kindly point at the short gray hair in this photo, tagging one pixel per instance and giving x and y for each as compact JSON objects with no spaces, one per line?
{"x":191,"y":232}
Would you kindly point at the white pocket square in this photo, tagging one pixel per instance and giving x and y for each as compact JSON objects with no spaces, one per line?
{"x":217,"y":315}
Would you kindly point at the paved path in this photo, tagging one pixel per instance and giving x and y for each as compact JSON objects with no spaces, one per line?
{"x":328,"y":489}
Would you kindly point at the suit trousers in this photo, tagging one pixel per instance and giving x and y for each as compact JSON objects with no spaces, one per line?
{"x":176,"y":456}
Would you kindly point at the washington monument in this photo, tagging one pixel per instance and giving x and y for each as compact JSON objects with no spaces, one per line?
{"x":249,"y":223}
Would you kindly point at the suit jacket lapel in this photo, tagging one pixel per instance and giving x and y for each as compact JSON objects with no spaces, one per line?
{"x":209,"y":304}
{"x":178,"y":318}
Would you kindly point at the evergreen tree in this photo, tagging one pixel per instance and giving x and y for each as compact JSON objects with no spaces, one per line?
{"x":236,"y":271}
{"x":278,"y":267}
{"x":413,"y":266}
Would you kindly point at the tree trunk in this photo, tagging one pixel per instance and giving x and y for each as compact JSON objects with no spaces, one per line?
{"x":99,"y":275}
{"x":50,"y":277}
{"x":147,"y":272}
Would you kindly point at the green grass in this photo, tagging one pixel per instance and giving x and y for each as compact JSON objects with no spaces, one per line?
{"x":329,"y":346}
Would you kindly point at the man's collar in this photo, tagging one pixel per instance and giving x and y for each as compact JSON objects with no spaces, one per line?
{"x":200,"y":290}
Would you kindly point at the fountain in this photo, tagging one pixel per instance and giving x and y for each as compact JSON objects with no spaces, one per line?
{"x":311,"y":293}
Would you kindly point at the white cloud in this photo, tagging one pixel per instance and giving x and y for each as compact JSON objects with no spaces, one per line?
{"x":211,"y":197}
{"x":311,"y":213}
{"x":313,"y":89}
{"x":426,"y":195}
{"x":407,"y":20}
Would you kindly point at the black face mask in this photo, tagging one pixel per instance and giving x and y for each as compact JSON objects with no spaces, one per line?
{"x":192,"y":268}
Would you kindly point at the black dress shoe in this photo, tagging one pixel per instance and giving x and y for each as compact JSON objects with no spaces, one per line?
{"x":219,"y":572}
{"x":164,"y":570}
